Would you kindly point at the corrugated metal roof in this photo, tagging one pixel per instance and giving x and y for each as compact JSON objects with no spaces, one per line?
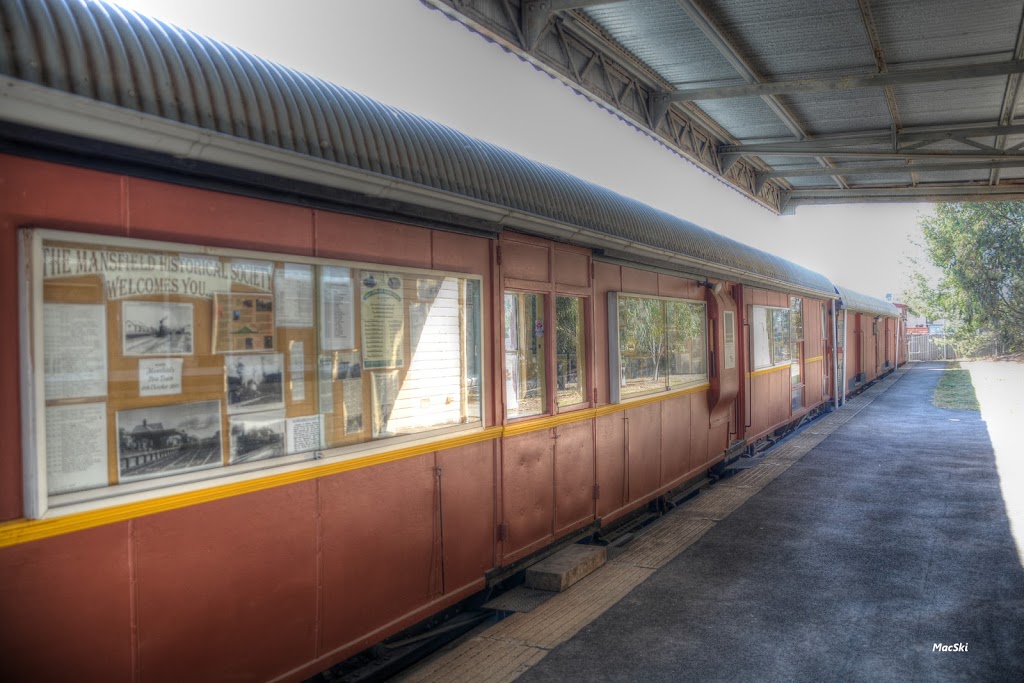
{"x":113,"y":55}
{"x":787,"y":39}
{"x":659,"y":34}
{"x":825,"y":115}
{"x":675,"y":46}
{"x":941,"y":29}
{"x":862,"y":303}
{"x":746,"y":118}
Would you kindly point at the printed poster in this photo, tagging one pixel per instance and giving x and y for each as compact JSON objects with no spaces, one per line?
{"x":385,"y":393}
{"x":303,"y":434}
{"x":75,"y":350}
{"x":729,"y":320}
{"x":130,"y":273}
{"x":337,"y":311}
{"x":159,"y":376}
{"x":293,"y":287}
{"x":243,"y":322}
{"x":383,"y":320}
{"x":349,"y":372}
{"x":297,"y":371}
{"x":76,"y":447}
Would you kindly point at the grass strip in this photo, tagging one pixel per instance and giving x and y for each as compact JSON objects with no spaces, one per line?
{"x":955,"y":390}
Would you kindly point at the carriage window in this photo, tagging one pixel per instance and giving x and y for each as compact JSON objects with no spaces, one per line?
{"x":571,"y":360}
{"x":525,"y":377}
{"x":687,"y":343}
{"x":662,"y":344}
{"x":772,"y":336}
{"x":168,"y":364}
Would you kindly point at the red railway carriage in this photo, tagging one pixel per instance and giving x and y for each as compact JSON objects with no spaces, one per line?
{"x":296,"y":370}
{"x":870,"y":336}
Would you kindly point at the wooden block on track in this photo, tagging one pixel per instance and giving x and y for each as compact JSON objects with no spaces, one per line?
{"x":566,"y":567}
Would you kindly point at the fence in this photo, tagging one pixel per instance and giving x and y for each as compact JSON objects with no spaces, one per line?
{"x":936,"y":347}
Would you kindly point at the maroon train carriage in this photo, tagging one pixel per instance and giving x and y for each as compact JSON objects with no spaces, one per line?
{"x":403,"y":358}
{"x":870,"y":334}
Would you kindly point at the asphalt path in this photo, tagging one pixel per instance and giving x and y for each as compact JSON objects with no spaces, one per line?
{"x":870,"y":559}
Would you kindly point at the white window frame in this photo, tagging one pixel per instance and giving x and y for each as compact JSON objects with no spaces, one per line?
{"x":615,"y":351}
{"x":760,"y":345}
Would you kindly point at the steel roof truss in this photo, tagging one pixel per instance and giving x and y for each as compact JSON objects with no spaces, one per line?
{"x":579,"y":42}
{"x":879,"y":54}
{"x":977,"y":145}
{"x":1008,"y":110}
{"x":534,"y":16}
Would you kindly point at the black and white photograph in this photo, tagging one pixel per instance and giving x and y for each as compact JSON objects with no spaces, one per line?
{"x":348,"y":370}
{"x":163,"y":440}
{"x":255,"y":382}
{"x":257,"y":436}
{"x":157,"y":328}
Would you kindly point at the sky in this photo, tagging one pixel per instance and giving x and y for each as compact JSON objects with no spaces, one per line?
{"x":409,"y":56}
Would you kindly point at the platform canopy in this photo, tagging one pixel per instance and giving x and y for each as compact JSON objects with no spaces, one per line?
{"x":795,"y":102}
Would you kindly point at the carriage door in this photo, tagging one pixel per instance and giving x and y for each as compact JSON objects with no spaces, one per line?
{"x":887,"y":335}
{"x":826,"y":362}
{"x":878,"y":346}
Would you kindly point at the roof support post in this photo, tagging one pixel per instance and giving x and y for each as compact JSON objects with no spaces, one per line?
{"x":761,"y":177}
{"x":658,"y":105}
{"x":728,"y":160}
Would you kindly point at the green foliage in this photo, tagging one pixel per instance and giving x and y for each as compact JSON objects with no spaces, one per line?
{"x":979,"y":250}
{"x":685,"y":322}
{"x":568,"y":324}
{"x":642,"y":329}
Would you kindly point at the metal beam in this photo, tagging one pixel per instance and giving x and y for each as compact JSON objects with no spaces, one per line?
{"x":884,"y":137}
{"x":878,"y":154}
{"x":763,"y":176}
{"x":921,"y":193}
{"x":977,"y":129}
{"x":813,"y":85}
{"x":535,"y":14}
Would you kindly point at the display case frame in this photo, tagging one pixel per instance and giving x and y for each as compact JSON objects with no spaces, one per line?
{"x":41,"y":501}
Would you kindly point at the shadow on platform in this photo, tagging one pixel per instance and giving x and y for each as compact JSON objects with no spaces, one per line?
{"x":885,"y":543}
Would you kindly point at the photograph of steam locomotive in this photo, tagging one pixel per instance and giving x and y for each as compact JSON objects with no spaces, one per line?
{"x":254,"y":382}
{"x":157,"y":328}
{"x":257,"y":436}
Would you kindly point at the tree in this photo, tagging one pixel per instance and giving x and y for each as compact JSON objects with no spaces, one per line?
{"x":979,"y":251}
{"x":642,"y":329}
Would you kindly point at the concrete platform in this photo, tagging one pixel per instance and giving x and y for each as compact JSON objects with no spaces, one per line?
{"x":858,"y":545}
